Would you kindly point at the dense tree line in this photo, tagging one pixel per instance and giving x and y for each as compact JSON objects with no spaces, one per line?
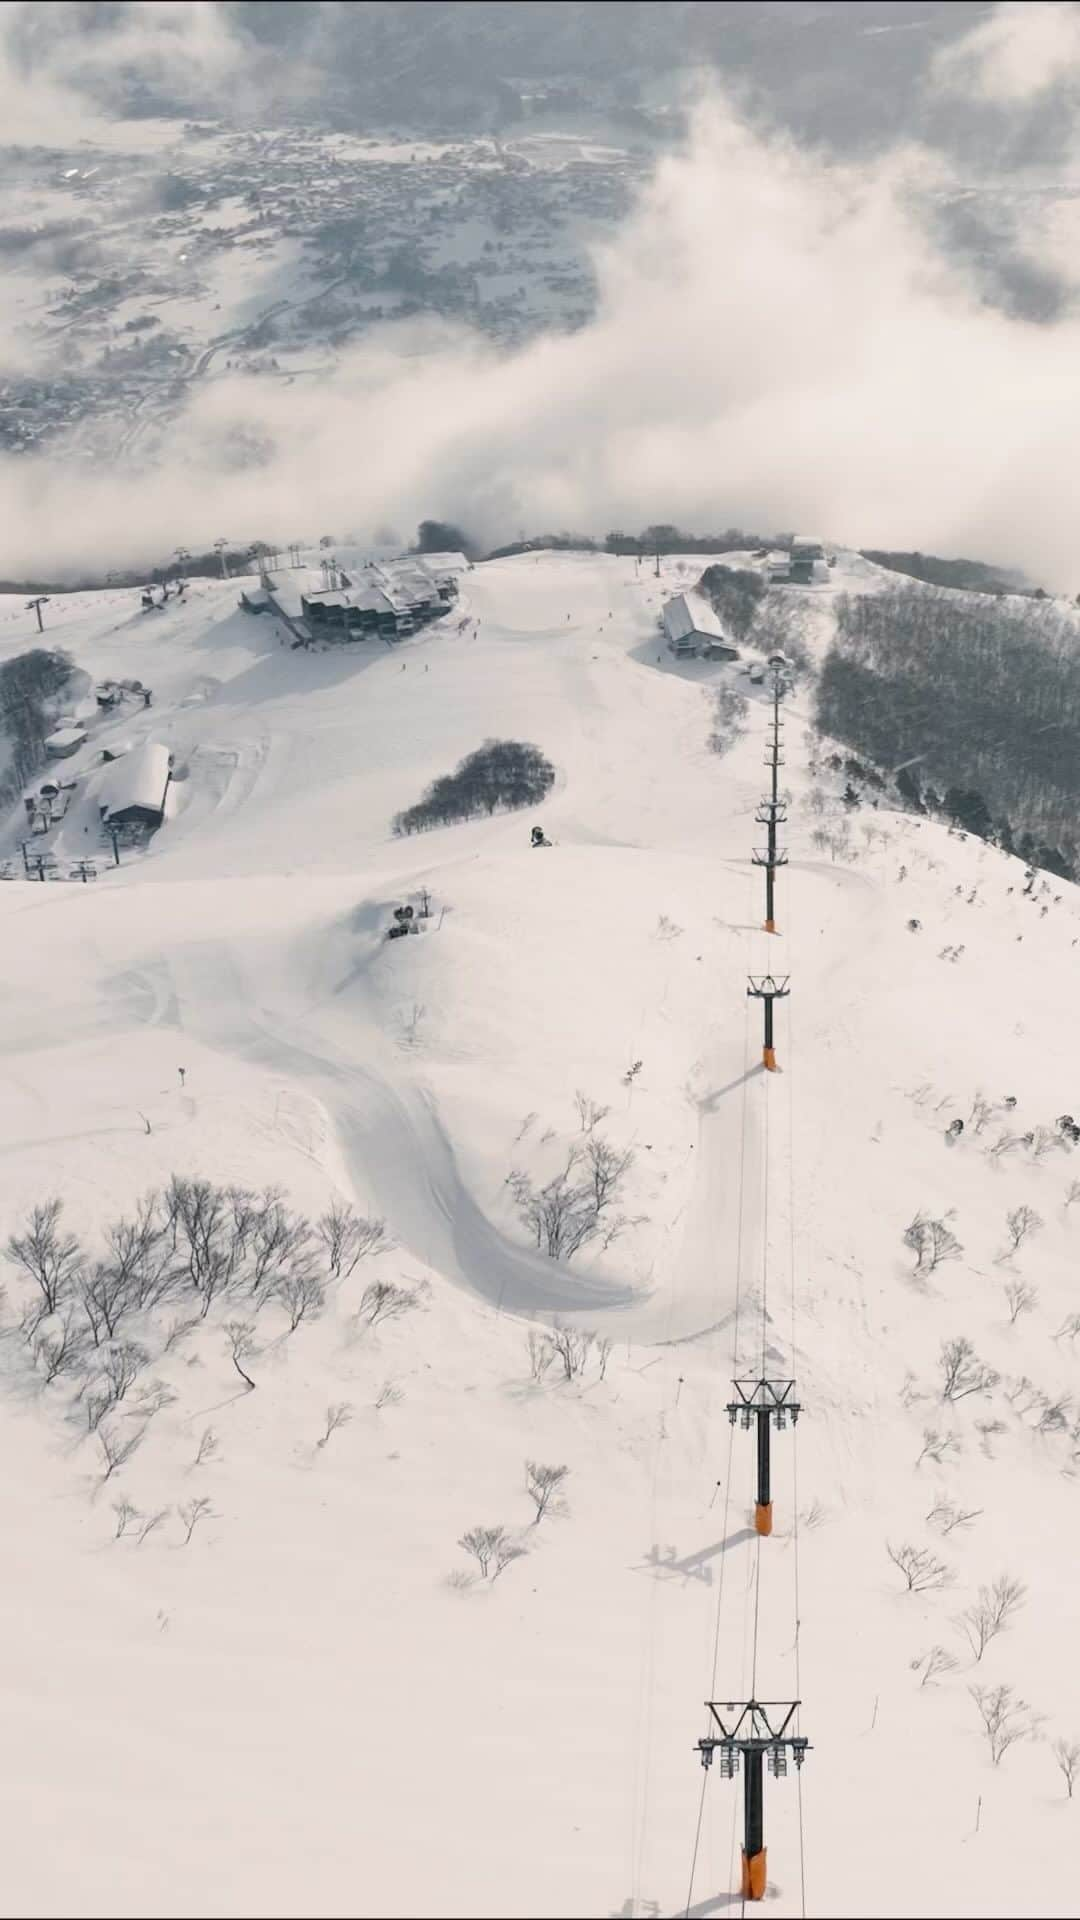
{"x":668,"y":539}
{"x":971,"y":576}
{"x":974,"y":705}
{"x":27,"y":683}
{"x":502,"y":774}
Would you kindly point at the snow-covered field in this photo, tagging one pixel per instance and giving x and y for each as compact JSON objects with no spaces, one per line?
{"x":300,"y":1711}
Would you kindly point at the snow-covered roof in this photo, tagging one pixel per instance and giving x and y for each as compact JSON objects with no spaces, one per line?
{"x":690,"y":613}
{"x":439,"y":563}
{"x":138,"y":780}
{"x":65,"y":740}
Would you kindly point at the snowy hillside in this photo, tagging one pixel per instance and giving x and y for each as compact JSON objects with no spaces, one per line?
{"x":316,"y":1703}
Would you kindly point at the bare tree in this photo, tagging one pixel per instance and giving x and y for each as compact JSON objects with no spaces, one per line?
{"x":149,"y":1522}
{"x":568,"y":1212}
{"x":1044,"y":1140}
{"x":981,"y":1113}
{"x":1021,"y":1298}
{"x":1006,"y":1142}
{"x":382,"y":1300}
{"x":1005,"y":1718}
{"x":151,"y":1399}
{"x":946,"y":1515}
{"x":962,"y":1372}
{"x":481,"y":1542}
{"x":178,"y":1330}
{"x":301,"y":1295}
{"x":106,"y":1296}
{"x":589,"y":1112}
{"x":603,"y":1350}
{"x":542,"y":1484}
{"x":1020,"y":1224}
{"x":1069,"y":1327}
{"x":572,"y":1348}
{"x":991,"y":1613}
{"x":507,"y":1550}
{"x":207,"y":1449}
{"x":348,"y":1238}
{"x":192,"y":1511}
{"x":938,"y":1446}
{"x":921,"y":1570}
{"x":1054,"y":1417}
{"x":931,"y":1241}
{"x":935,"y":1661}
{"x":1067,"y":1755}
{"x":541,"y":1353}
{"x":115,"y":1452}
{"x":51,"y":1258}
{"x":1072,"y":1193}
{"x":338,"y":1414}
{"x":61,"y":1351}
{"x":125,"y":1514}
{"x":241,"y":1337}
{"x":280,"y":1245}
{"x":123,"y":1362}
{"x":388,"y":1396}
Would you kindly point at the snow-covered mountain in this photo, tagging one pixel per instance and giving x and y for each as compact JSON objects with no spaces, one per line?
{"x":317,"y":1703}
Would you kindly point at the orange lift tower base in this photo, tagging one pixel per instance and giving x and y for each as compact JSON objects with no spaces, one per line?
{"x":758,"y":1731}
{"x":767,"y":989}
{"x":759,"y":1403}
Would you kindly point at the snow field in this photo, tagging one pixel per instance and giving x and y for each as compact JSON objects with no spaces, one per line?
{"x":296,"y":1712}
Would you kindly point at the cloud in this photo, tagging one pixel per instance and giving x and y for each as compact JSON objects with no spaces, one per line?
{"x":1017,"y":53}
{"x":777,"y":343}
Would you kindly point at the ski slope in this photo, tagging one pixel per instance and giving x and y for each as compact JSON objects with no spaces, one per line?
{"x":299,"y":1712}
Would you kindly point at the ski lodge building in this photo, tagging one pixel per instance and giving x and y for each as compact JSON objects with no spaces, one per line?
{"x":133,"y":790}
{"x":692,"y":628}
{"x":375,"y":600}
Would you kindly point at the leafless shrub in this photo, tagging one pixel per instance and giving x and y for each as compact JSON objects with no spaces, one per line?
{"x":51,"y":1258}
{"x":542,"y":1484}
{"x":240,"y":1335}
{"x":1005,"y":1143}
{"x":192,"y":1511}
{"x":280,"y":1245}
{"x":210,"y":1239}
{"x":1005,"y":1718}
{"x":1021,"y":1298}
{"x":981,"y":1113}
{"x":1020,"y":1224}
{"x":348,"y":1238}
{"x":61,"y":1351}
{"x":151,"y":1399}
{"x":541,"y":1354}
{"x":388,"y":1396}
{"x":116,"y":1452}
{"x":589,"y":1112}
{"x":122,"y":1363}
{"x":991,"y":1613}
{"x":338,"y":1414}
{"x":1067,"y":1755}
{"x":178,"y":1330}
{"x":603,"y":1351}
{"x":572,"y":1348}
{"x":492,"y":1548}
{"x":207,"y":1449}
{"x":938,"y":1446}
{"x":382,"y":1300}
{"x":125,"y":1515}
{"x":301,"y":1295}
{"x":921,"y":1570}
{"x":666,"y":929}
{"x":988,"y":1430}
{"x":568,"y":1212}
{"x":1043,"y":1141}
{"x":1072,"y":1193}
{"x":1054,"y":1417}
{"x":946,"y":1515}
{"x":1069,"y":1327}
{"x":815,"y":1516}
{"x":481,"y":1542}
{"x":933,"y":1663}
{"x":149,"y":1522}
{"x":931,"y":1241}
{"x":962,"y":1372}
